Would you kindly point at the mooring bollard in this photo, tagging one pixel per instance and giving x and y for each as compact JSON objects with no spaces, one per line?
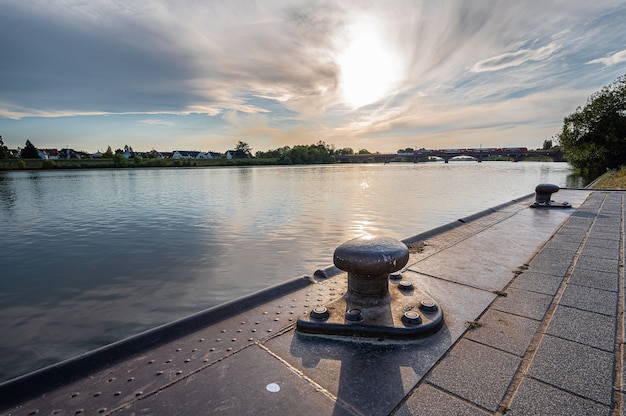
{"x":378,"y":303}
{"x":543,"y":197}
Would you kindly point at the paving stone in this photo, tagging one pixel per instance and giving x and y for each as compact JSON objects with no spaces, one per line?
{"x":603,"y":243}
{"x":538,"y":282}
{"x":549,"y":264}
{"x":590,"y":299}
{"x":591,"y":251}
{"x":598,"y":263}
{"x":524,"y":303}
{"x":536,"y":398}
{"x":595,"y":279}
{"x":605,"y":233}
{"x":476,"y":372}
{"x":583,"y":327}
{"x":510,"y":333}
{"x":430,"y":401}
{"x":578,"y":368}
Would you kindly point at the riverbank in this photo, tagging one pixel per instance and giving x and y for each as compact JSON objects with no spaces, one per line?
{"x":615,"y":179}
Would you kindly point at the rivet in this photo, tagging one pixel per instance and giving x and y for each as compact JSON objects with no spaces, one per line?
{"x":354,"y":315}
{"x":168,"y":361}
{"x":211,"y":349}
{"x":178,"y":350}
{"x":264,"y":313}
{"x":243,"y":322}
{"x":78,"y":411}
{"x":194,"y":350}
{"x":276,"y":319}
{"x":117,"y":393}
{"x":96,"y":394}
{"x":158,"y":373}
{"x":206,"y":360}
{"x":250,"y":339}
{"x":405,"y":285}
{"x":411,"y":318}
{"x":218,"y":340}
{"x":233,"y":340}
{"x":201,"y":340}
{"x":229,"y":349}
{"x":320,"y":313}
{"x":34,"y":412}
{"x":257,"y":322}
{"x":139,"y":393}
{"x":110,"y":380}
{"x":239,"y":330}
{"x":269,"y":330}
{"x":179,"y":373}
{"x":187,"y":360}
{"x":223,"y":331}
{"x":151,"y":362}
{"x":278,"y":313}
{"x":104,"y":409}
{"x":428,"y":305}
{"x":130,"y":379}
{"x":75,"y":395}
{"x":254,"y":330}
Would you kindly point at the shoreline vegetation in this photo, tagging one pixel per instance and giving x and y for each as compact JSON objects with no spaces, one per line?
{"x":614,"y":179}
{"x":139,"y":163}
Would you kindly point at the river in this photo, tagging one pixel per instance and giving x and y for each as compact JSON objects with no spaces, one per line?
{"x":88,"y":257}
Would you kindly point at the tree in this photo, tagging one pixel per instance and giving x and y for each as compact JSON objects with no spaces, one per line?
{"x":345,"y":151}
{"x":29,"y":151}
{"x":243,"y":149}
{"x":108,"y":154}
{"x":364,"y":152}
{"x":4,"y":151}
{"x":547,"y":145}
{"x":594,"y":137}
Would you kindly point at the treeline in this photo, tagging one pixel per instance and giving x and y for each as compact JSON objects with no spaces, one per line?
{"x":300,"y":154}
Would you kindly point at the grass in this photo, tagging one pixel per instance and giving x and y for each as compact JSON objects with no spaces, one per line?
{"x":614,"y":179}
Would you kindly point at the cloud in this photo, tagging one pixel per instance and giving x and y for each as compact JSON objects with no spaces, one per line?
{"x":513,"y":59}
{"x":611,"y":60}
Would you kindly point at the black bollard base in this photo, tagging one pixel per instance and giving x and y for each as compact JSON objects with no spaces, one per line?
{"x":410,"y":314}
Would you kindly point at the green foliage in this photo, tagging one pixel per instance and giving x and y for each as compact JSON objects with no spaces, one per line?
{"x":243,"y":149}
{"x":4,"y":151}
{"x":314,"y":153}
{"x":345,"y":151}
{"x":108,"y":154}
{"x":119,"y":161}
{"x":48,"y":164}
{"x":364,"y":152}
{"x":594,"y":137}
{"x":29,"y":151}
{"x":547,"y":145}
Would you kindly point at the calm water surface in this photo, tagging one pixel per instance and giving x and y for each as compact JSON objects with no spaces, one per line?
{"x":90,"y":257}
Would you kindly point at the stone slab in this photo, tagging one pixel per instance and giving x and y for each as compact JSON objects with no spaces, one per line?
{"x":536,"y":398}
{"x":476,"y":372}
{"x":583,"y":327}
{"x":538,"y":282}
{"x":594,"y":279}
{"x":431,"y":401}
{"x":574,"y":367}
{"x":520,"y":302}
{"x":590,"y":299}
{"x":506,"y":332}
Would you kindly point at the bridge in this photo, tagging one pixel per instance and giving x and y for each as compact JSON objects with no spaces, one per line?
{"x":515,"y":154}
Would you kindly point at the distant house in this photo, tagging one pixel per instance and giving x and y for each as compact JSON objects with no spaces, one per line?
{"x":96,"y":155}
{"x":49,"y":154}
{"x":230,"y":154}
{"x":188,"y":154}
{"x":213,"y":155}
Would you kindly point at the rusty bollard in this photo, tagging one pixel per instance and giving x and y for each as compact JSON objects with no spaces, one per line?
{"x":376,"y":304}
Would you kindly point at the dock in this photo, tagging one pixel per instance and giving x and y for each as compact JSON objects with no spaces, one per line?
{"x":533,"y":302}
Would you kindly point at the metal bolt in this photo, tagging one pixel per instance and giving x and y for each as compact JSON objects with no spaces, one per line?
{"x":320,"y":313}
{"x":395,"y":276}
{"x":354,"y":315}
{"x":428,"y":306}
{"x":405,"y":285}
{"x":411,"y":318}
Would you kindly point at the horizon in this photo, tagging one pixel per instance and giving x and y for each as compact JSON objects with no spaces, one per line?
{"x":373,"y":75}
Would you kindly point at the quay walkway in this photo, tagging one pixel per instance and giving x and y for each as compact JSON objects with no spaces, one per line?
{"x":533,"y":303}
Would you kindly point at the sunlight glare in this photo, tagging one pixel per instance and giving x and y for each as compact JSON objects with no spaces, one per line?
{"x":369,"y":68}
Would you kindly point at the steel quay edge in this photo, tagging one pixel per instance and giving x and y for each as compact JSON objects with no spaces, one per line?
{"x":245,"y":356}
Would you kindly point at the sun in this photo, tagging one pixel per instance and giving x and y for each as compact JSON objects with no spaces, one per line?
{"x":369,"y":66}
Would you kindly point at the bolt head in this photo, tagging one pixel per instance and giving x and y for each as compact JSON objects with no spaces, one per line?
{"x":319,"y":313}
{"x":428,"y":305}
{"x":405,"y":285}
{"x":411,"y":318}
{"x":354,"y":315}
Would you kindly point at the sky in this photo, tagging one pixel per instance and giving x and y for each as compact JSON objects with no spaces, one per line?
{"x":376,"y":75}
